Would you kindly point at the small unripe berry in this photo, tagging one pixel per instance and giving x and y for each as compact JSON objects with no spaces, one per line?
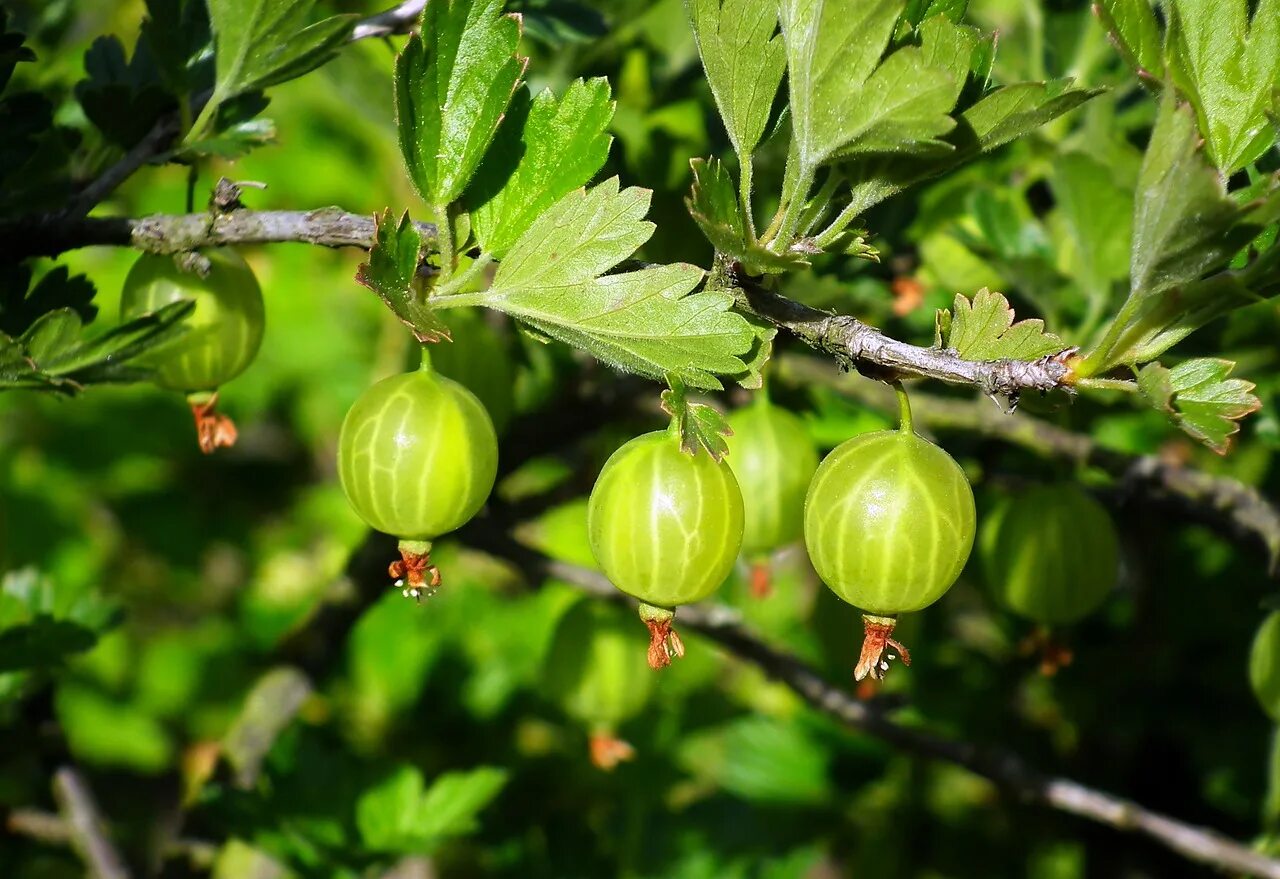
{"x":417,"y":457}
{"x":666,"y":528}
{"x":889,"y":523}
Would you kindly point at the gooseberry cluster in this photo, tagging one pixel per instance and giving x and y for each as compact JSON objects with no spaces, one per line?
{"x":887,"y":518}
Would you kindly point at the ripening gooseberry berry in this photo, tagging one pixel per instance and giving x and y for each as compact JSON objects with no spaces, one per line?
{"x":417,"y":457}
{"x":773,"y":458}
{"x":1050,"y":554}
{"x":597,"y":677}
{"x":889,"y":523}
{"x":1264,"y":665}
{"x":666,"y":527}
{"x":224,"y":331}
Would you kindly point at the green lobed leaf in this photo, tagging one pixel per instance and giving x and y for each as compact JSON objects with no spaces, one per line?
{"x":917,"y":11}
{"x":983,"y":329}
{"x":123,"y":99}
{"x":43,"y":622}
{"x":1200,"y":398}
{"x":12,"y":52}
{"x":1018,"y":109}
{"x":1185,"y":226}
{"x":453,"y":82}
{"x":1183,"y":217}
{"x":1097,"y":213}
{"x":1136,"y":34}
{"x":261,"y":43}
{"x":744,"y":61}
{"x":454,"y":800}
{"x":391,"y":272}
{"x":700,"y":426}
{"x":106,"y":357}
{"x":763,"y":760}
{"x":1228,"y":66}
{"x":52,"y":354}
{"x":58,"y":288}
{"x":398,"y":816}
{"x":713,"y":204}
{"x":844,"y":101}
{"x":177,"y":34}
{"x":1001,"y":116}
{"x":544,"y":149}
{"x":643,"y":321}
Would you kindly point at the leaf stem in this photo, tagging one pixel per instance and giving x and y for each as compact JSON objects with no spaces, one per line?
{"x":744,"y":194}
{"x":444,"y":240}
{"x":838,"y":225}
{"x":1108,"y":384}
{"x":791,"y":213}
{"x":202,"y":122}
{"x":464,"y":278}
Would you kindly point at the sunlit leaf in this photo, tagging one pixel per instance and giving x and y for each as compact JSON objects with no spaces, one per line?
{"x":1200,"y":398}
{"x":983,"y":329}
{"x":453,"y":83}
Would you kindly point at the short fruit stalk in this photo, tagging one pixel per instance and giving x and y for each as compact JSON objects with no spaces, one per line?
{"x":224,"y":331}
{"x":417,"y":457}
{"x":888,"y":523}
{"x":665,"y":524}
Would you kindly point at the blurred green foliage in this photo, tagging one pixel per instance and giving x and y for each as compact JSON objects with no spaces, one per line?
{"x":149,"y":592}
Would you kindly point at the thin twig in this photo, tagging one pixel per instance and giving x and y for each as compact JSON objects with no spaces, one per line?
{"x":396,"y":20}
{"x":858,"y":345}
{"x":152,"y":145}
{"x":174,"y":233}
{"x":1233,"y":508}
{"x":852,"y":342}
{"x":1006,"y":769}
{"x":88,"y":831}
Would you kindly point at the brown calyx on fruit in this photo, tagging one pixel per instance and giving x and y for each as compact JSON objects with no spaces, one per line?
{"x":607,"y":750}
{"x":413,"y":572}
{"x":664,"y":641}
{"x":879,"y":648}
{"x":213,"y":429}
{"x":1051,"y":651}
{"x":761,"y":579}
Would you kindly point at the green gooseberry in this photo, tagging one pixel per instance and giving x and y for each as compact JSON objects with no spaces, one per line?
{"x":594,"y":674}
{"x":1264,"y":665}
{"x":888,"y":522}
{"x":417,"y":458}
{"x":224,"y":331}
{"x":666,"y":528}
{"x":1050,"y":554}
{"x":773,"y":458}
